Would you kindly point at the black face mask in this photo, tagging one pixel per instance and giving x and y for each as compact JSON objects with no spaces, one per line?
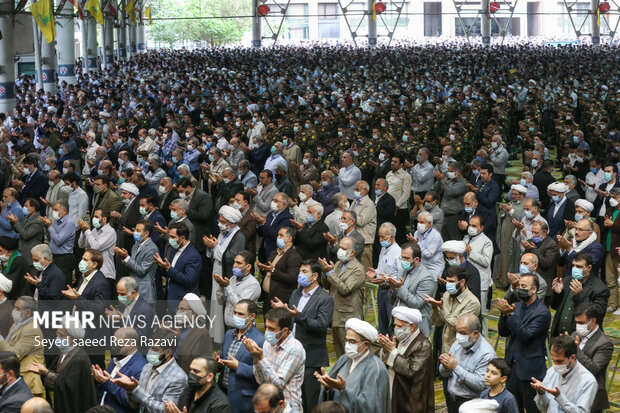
{"x":193,"y":382}
{"x":115,"y":352}
{"x":523,"y":294}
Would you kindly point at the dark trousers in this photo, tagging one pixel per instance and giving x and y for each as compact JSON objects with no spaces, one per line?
{"x":524,"y":394}
{"x":401,"y":222}
{"x":206,"y":279}
{"x":66,"y":263}
{"x":452,"y":402}
{"x":310,"y":389}
{"x":385,"y":310}
{"x":500,"y":179}
{"x":450,"y":230}
{"x":77,"y":252}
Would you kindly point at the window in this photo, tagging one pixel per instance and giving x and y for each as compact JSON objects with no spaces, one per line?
{"x":329,"y":22}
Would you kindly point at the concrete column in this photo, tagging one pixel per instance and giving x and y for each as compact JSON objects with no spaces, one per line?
{"x":372,"y":26}
{"x":141,"y":39}
{"x":84,"y":43}
{"x":37,"y":54}
{"x":485,"y":23}
{"x":121,"y":34}
{"x":65,"y":47}
{"x":92,"y":44}
{"x":134,"y":38}
{"x":108,"y":31}
{"x":128,"y":37}
{"x":596,"y":30}
{"x":256,"y":21}
{"x":7,"y":57}
{"x":48,"y":65}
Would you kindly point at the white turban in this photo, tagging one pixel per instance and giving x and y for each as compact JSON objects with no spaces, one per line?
{"x":479,"y":406}
{"x":104,"y":114}
{"x":408,"y":315}
{"x":74,"y":328}
{"x":5,"y":284}
{"x":363,"y":328}
{"x":131,"y":188}
{"x":518,"y":188}
{"x":195,"y":304}
{"x":605,"y":88}
{"x":457,"y":247}
{"x":587,"y":205}
{"x":557,"y":187}
{"x":230,"y":214}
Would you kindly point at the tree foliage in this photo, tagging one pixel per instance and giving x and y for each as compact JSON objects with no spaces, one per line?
{"x":213,"y":31}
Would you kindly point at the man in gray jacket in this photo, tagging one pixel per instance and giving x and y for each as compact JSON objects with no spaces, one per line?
{"x":141,"y":265}
{"x":452,"y":188}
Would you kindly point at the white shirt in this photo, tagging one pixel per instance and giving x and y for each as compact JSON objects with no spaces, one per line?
{"x":85,"y":282}
{"x":399,"y":186}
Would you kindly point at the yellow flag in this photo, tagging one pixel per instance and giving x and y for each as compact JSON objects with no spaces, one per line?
{"x":374,"y":12}
{"x":42,"y":14}
{"x":147,"y":14}
{"x":130,"y":9}
{"x":94,"y":8}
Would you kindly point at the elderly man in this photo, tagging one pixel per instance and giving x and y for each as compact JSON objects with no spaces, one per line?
{"x":61,"y":233}
{"x":528,"y":265}
{"x":584,"y":241}
{"x":264,"y":194}
{"x":194,"y":338}
{"x":102,"y":238}
{"x":300,"y":209}
{"x":452,"y":187}
{"x":126,"y":220}
{"x":389,"y":267}
{"x":479,"y":250}
{"x":348,"y":175}
{"x":560,"y":210}
{"x":429,"y":240}
{"x":57,"y":190}
{"x":281,"y":359}
{"x":464,"y":366}
{"x":422,"y":173}
{"x":30,"y":228}
{"x":346,"y":282}
{"x":270,"y":225}
{"x":155,"y":173}
{"x":325,"y":190}
{"x":454,"y":252}
{"x":366,"y":220}
{"x":430,"y":203}
{"x":583,"y":210}
{"x":568,"y":385}
{"x":347,"y":228}
{"x":24,"y":339}
{"x":340,"y":204}
{"x":511,"y":248}
{"x":275,"y":158}
{"x":413,"y":283}
{"x":498,"y":158}
{"x":223,"y":250}
{"x":310,"y":242}
{"x":408,"y":357}
{"x":347,"y":381}
{"x":527,"y":325}
{"x":12,"y":207}
{"x":523,"y":228}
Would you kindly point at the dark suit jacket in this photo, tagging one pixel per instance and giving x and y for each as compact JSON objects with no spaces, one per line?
{"x":311,"y":325}
{"x":310,"y":243}
{"x":200,"y":212}
{"x":269,"y":231}
{"x":116,"y":397}
{"x":94,"y":298}
{"x":184,"y":276}
{"x":542,"y":179}
{"x":235,"y":246}
{"x":241,"y":383}
{"x":528,"y":331}
{"x":594,"y":290}
{"x":595,"y":249}
{"x":595,"y":356}
{"x":548,"y":255}
{"x":52,"y":283}
{"x":142,"y":311}
{"x":380,"y":172}
{"x":487,"y":196}
{"x":19,"y":268}
{"x":248,"y":227}
{"x":386,"y":208}
{"x":158,"y":217}
{"x":15,"y":397}
{"x":284,"y":276}
{"x":226,"y":191}
{"x":34,"y":187}
{"x":598,"y":202}
{"x":488,"y":230}
{"x":556,"y":224}
{"x":164,"y":203}
{"x":196,"y":343}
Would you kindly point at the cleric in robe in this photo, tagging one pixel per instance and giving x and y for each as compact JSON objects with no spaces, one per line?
{"x":359,"y":380}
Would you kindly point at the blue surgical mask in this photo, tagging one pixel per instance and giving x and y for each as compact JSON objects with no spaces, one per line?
{"x":529,"y":214}
{"x":62,"y":344}
{"x":324,"y":184}
{"x":537,"y":240}
{"x":271,"y":337}
{"x":153,"y":358}
{"x":302,"y":280}
{"x":385,"y":244}
{"x":378,"y":192}
{"x":524,"y":269}
{"x":577,"y":273}
{"x":556,"y":198}
{"x":469,"y":210}
{"x":237,"y":272}
{"x":173,"y":242}
{"x":280,"y":243}
{"x":452,"y":288}
{"x":607,"y":176}
{"x":25,"y":210}
{"x":578,"y":217}
{"x":523,"y":182}
{"x":594,"y":170}
{"x":406,"y":265}
{"x":453,"y":262}
{"x":357,"y":195}
{"x":239,"y":322}
{"x":137,"y":237}
{"x":310,"y":219}
{"x":534,"y":163}
{"x":123,"y":299}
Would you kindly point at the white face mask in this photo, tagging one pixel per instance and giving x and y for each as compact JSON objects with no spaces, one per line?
{"x":55,"y":215}
{"x":472,"y":231}
{"x":274,"y":206}
{"x":561,"y":368}
{"x":463,"y":340}
{"x":343,"y":226}
{"x":613,"y":202}
{"x":582,"y":329}
{"x":351,"y":350}
{"x":161,"y":190}
{"x":421,"y":228}
{"x":342,"y":255}
{"x":302,"y":197}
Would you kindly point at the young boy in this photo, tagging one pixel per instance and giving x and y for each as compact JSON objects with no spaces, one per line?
{"x":496,"y":377}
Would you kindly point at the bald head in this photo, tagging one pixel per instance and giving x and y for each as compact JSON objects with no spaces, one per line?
{"x":36,"y":405}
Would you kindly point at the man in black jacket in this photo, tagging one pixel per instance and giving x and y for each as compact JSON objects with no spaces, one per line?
{"x":309,"y":241}
{"x":15,"y":390}
{"x":386,"y":212}
{"x":227,"y":186}
{"x":202,"y":394}
{"x":312,"y":308}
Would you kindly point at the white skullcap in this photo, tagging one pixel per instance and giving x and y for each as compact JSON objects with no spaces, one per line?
{"x":230,"y":214}
{"x":408,"y":315}
{"x":74,"y":328}
{"x":104,"y":114}
{"x":587,"y":205}
{"x":479,"y":406}
{"x":195,"y":304}
{"x":604,"y":87}
{"x":362,"y":328}
{"x":518,"y":188}
{"x":5,"y":284}
{"x":131,"y":188}
{"x":558,"y":187}
{"x":457,"y":247}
